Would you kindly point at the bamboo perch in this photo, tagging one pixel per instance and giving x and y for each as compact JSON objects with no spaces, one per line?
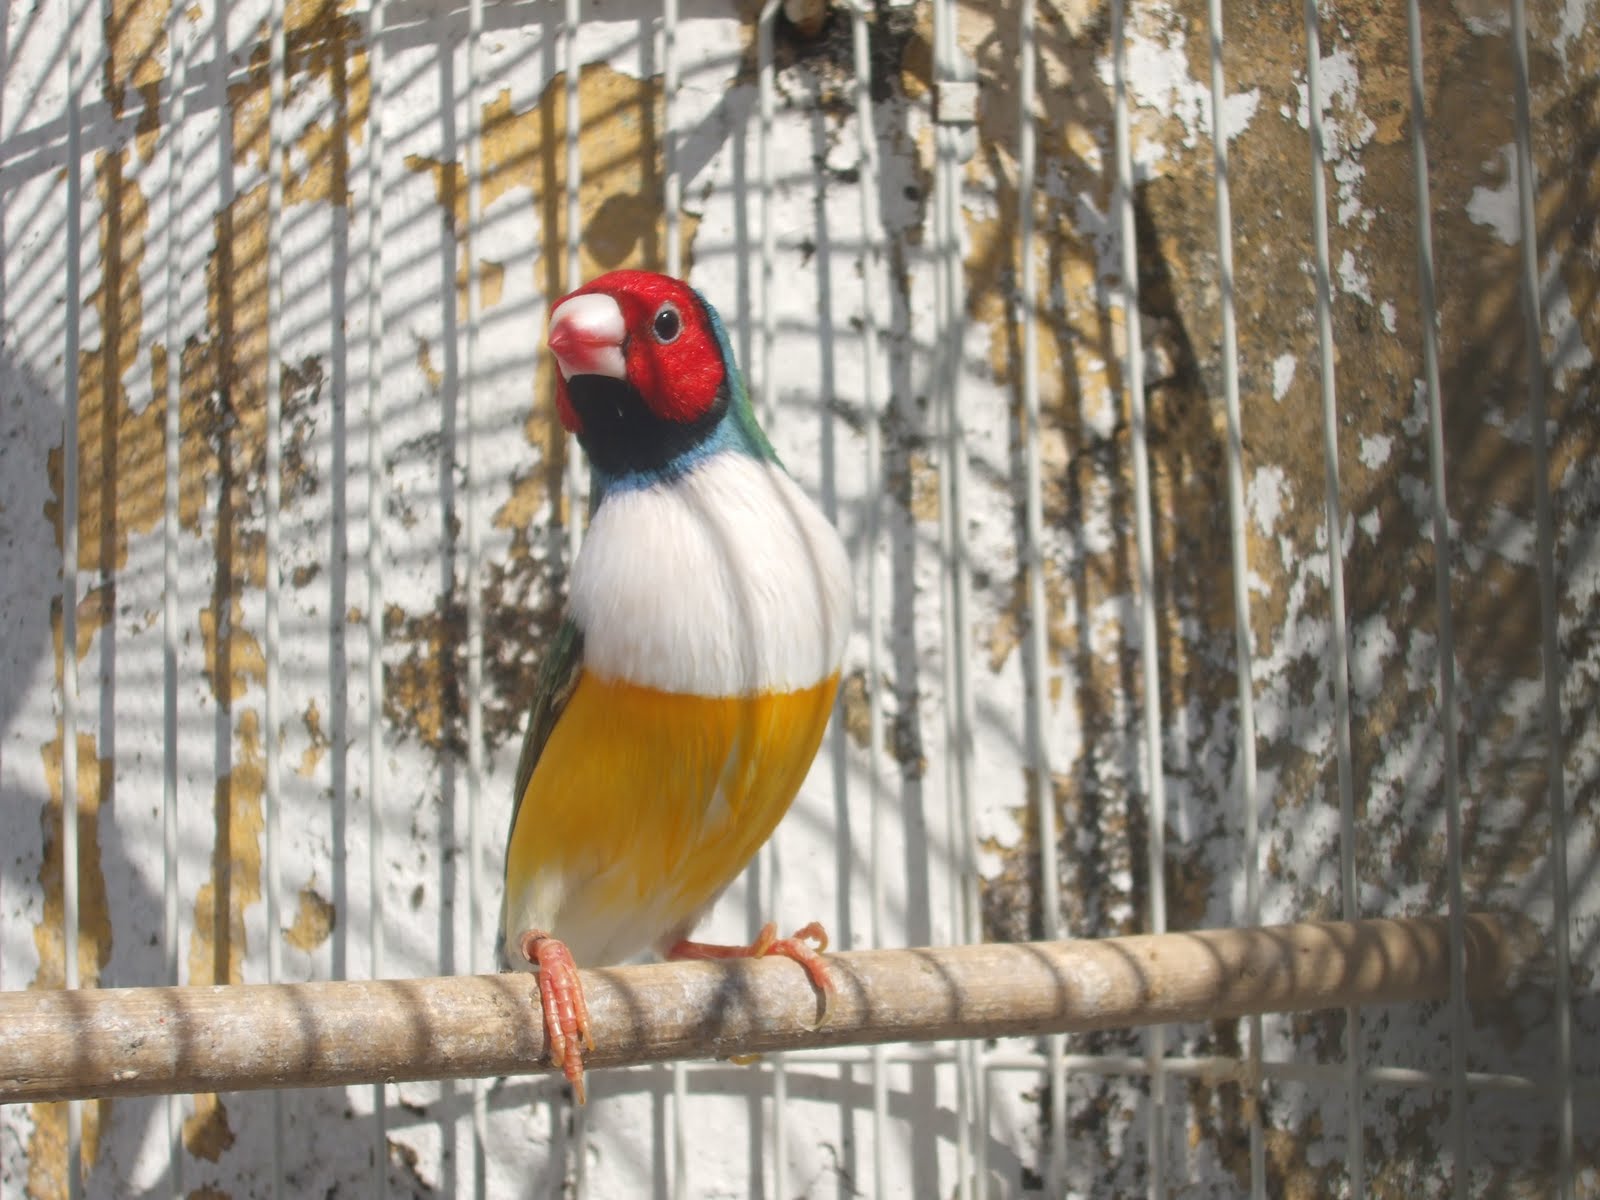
{"x":57,"y":1045}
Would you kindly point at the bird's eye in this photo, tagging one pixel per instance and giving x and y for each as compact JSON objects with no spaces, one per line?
{"x":667,"y":324}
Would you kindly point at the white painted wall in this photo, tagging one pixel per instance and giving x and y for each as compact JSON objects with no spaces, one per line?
{"x":820,"y":864}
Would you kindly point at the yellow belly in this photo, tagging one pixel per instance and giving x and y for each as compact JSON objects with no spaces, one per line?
{"x":645,"y":804}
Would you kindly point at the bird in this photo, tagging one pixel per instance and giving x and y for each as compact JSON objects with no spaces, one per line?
{"x":683,"y":696}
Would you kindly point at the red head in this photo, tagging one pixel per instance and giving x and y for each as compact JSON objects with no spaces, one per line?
{"x":647,"y":330}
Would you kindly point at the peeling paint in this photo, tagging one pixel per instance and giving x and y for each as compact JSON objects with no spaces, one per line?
{"x":1497,"y":207}
{"x":620,"y":197}
{"x":217,"y":946}
{"x":313,"y":923}
{"x":47,"y":1145}
{"x":120,"y":484}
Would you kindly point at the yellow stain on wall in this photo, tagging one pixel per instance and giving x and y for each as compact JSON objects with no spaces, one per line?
{"x":233,"y":655}
{"x":314,"y":920}
{"x":322,"y":43}
{"x":432,"y":375}
{"x":232,"y":360}
{"x":217,"y":944}
{"x":316,"y":742}
{"x":135,"y":36}
{"x":94,"y":611}
{"x":47,"y":1145}
{"x":423,"y":692}
{"x":621,"y":199}
{"x":120,"y":489}
{"x":224,"y":377}
{"x":120,"y":464}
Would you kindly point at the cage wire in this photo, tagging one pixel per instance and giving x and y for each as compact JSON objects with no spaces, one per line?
{"x":1223,"y":548}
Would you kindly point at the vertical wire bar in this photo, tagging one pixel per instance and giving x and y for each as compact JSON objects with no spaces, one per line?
{"x":571,"y":68}
{"x":671,"y":191}
{"x":950,"y":634}
{"x":69,"y":562}
{"x":1045,"y":818}
{"x":780,"y":1127}
{"x":376,"y":496}
{"x":1550,"y":646}
{"x":277,"y":161}
{"x":970,"y":1143}
{"x":174,"y":245}
{"x":680,"y":1141}
{"x":671,"y":182}
{"x":578,"y":1147}
{"x":474,"y":572}
{"x":772,"y":906}
{"x":1443,"y":554}
{"x":7,"y":54}
{"x":767,"y":407}
{"x":1249,"y":800}
{"x":1334,"y":526}
{"x":577,"y":476}
{"x":866,"y":564}
{"x":1133,"y":374}
{"x":764,"y":69}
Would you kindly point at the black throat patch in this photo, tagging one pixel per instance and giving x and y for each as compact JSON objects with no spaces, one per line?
{"x":622,"y":436}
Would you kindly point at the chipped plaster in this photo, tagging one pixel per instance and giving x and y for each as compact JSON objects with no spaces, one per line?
{"x":1091,"y":719}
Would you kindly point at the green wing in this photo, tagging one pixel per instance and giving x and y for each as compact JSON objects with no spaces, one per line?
{"x":558,"y":676}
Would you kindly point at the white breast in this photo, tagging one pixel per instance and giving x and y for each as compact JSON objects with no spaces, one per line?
{"x":724,"y":582}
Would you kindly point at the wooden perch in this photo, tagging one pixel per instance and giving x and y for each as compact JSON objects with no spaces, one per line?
{"x":57,"y":1045}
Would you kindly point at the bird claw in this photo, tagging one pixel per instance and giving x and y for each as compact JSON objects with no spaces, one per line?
{"x":797,"y":946}
{"x":566,"y":1015}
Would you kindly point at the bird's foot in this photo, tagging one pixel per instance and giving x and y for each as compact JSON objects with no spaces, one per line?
{"x":798,"y":946}
{"x":566,"y":1016}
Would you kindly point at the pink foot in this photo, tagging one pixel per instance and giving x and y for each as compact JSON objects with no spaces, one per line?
{"x":566,"y":1016}
{"x":797,"y":946}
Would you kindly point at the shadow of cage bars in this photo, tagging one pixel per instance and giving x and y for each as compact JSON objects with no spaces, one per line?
{"x":369,"y":254}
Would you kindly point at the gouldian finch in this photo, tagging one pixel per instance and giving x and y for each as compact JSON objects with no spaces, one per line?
{"x":685,"y":694}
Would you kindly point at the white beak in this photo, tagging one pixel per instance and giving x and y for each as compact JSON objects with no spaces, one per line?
{"x":586,"y":336}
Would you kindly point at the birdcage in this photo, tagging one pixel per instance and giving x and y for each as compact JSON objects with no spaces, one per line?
{"x":1206,"y":394}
